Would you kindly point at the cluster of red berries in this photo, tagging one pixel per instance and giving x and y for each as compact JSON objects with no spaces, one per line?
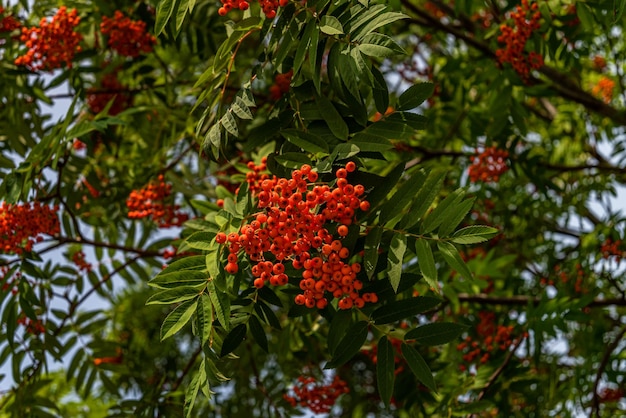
{"x":526,"y":20}
{"x":110,"y":89}
{"x":150,"y":202}
{"x":488,"y":165}
{"x":127,"y":37}
{"x":117,"y":359}
{"x":9,"y":282}
{"x":599,"y":63}
{"x":291,"y":225}
{"x":79,"y":259}
{"x":32,"y":327}
{"x":564,"y":276}
{"x":282,"y":83}
{"x":22,"y":225}
{"x":53,"y":44}
{"x":612,"y":248}
{"x":607,"y":395}
{"x":492,"y":337}
{"x":434,"y":10}
{"x":319,"y":397}
{"x":604,"y":89}
{"x":8,"y":23}
{"x":399,"y":361}
{"x":269,"y":7}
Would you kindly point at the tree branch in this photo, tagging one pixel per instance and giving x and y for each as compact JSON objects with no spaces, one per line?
{"x":519,"y":300}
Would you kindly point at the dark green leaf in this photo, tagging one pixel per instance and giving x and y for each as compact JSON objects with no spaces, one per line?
{"x":424,"y":198}
{"x":233,"y":339}
{"x":418,"y":366}
{"x":258,"y":332}
{"x":403,"y":196}
{"x":349,"y":345}
{"x":305,"y":140}
{"x":436,"y":333}
{"x":370,"y":257}
{"x":337,"y":329}
{"x":333,"y":119}
{"x":415,"y":96}
{"x":385,"y":369}
{"x":402,"y":309}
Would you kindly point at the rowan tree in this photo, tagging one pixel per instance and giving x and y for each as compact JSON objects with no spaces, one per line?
{"x":281,"y":208}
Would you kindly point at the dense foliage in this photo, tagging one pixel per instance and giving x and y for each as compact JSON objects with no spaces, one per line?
{"x":276,"y":208}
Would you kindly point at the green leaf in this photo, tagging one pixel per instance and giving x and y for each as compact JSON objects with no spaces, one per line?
{"x":427,"y":263}
{"x":240,"y":109}
{"x":379,"y":21}
{"x":258,"y":333}
{"x":229,"y":123}
{"x":474,"y":234}
{"x":307,"y":141}
{"x":415,"y":96}
{"x":451,"y":255}
{"x":175,"y":295}
{"x":204,"y":314}
{"x":201,"y":240}
{"x":233,"y":339}
{"x":330,"y":25}
{"x":164,"y":11}
{"x":385,"y":369}
{"x":418,"y":366}
{"x":221,"y":304}
{"x":424,"y":198}
{"x":371,"y":143}
{"x":379,"y":45}
{"x":395,"y":259}
{"x":181,"y":12}
{"x":293,"y":160}
{"x":404,"y":308}
{"x":370,"y":257}
{"x":199,"y":380}
{"x":380,"y":91}
{"x":403,"y":196}
{"x":332,"y":117}
{"x":178,"y":318}
{"x":270,"y":296}
{"x":337,"y":329}
{"x":349,"y":345}
{"x":453,"y":217}
{"x":193,"y":278}
{"x":437,"y":333}
{"x":194,"y":262}
{"x":303,"y":45}
{"x":437,"y":216}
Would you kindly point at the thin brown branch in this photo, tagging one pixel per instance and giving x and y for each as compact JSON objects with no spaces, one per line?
{"x":519,"y":300}
{"x":187,"y":369}
{"x":499,"y":370}
{"x":560,"y":81}
{"x":86,"y":241}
